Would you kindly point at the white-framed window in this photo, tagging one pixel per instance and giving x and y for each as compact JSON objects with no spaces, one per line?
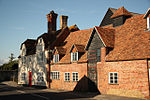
{"x":40,"y":57}
{"x":67,"y":76}
{"x":55,"y":75}
{"x":40,"y":77}
{"x":56,"y":58}
{"x":148,"y":22}
{"x":74,"y":56}
{"x":113,"y":77}
{"x":23,"y":76}
{"x":23,"y":60}
{"x":74,"y":76}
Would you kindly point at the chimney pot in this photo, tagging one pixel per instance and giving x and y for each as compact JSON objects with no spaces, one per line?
{"x":63,"y":21}
{"x":52,"y":21}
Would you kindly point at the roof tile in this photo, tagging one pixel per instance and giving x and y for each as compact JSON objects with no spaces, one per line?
{"x":121,"y":11}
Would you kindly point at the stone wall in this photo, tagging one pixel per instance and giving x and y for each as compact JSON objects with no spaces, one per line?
{"x":133,"y":78}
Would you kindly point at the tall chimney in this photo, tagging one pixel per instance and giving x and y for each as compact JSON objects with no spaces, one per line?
{"x":51,"y":20}
{"x":63,"y":21}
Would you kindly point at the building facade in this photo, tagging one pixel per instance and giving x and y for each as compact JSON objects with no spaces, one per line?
{"x":113,"y":58}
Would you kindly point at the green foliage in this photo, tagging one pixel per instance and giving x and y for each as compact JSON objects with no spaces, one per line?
{"x":11,"y":65}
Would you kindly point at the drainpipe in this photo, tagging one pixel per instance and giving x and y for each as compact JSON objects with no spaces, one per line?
{"x":49,"y":65}
{"x":148,"y":75}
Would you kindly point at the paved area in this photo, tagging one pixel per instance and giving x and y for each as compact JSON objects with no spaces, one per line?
{"x":11,"y":90}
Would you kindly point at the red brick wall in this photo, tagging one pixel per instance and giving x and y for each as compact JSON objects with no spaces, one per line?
{"x":132,"y":78}
{"x":74,"y":67}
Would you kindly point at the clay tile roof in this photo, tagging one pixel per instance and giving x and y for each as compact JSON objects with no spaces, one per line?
{"x":121,"y":11}
{"x":80,"y":38}
{"x":107,"y":35}
{"x":61,"y":50}
{"x":73,"y":28}
{"x":79,"y":48}
{"x":61,"y":37}
{"x":132,"y":40}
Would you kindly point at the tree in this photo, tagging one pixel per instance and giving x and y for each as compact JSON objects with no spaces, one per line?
{"x":11,"y":65}
{"x":11,"y":58}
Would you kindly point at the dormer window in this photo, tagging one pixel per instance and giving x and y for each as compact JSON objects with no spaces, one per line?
{"x":74,"y":56}
{"x":56,"y":58}
{"x":40,"y":45}
{"x":148,"y":23}
{"x":147,"y":16}
{"x":40,"y":40}
{"x":76,"y":51}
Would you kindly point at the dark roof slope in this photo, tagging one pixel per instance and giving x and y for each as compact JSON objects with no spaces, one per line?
{"x":30,"y":45}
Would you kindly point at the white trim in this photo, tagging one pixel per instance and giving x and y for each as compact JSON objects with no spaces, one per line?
{"x":146,"y":13}
{"x":77,"y":56}
{"x":99,"y":36}
{"x":53,"y":77}
{"x":72,"y":56}
{"x":109,"y":77}
{"x":148,"y":22}
{"x":54,"y":56}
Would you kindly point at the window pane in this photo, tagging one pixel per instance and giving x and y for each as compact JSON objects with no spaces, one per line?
{"x":111,"y":77}
{"x":111,"y":74}
{"x":115,"y":74}
{"x":116,"y":81}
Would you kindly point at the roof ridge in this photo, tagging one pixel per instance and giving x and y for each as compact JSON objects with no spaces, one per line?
{"x":121,"y":11}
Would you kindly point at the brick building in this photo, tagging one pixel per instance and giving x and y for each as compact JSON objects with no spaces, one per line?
{"x":113,"y":58}
{"x":124,"y":47}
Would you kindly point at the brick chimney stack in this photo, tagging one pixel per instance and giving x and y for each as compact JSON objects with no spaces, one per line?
{"x":63,"y":21}
{"x":52,"y":21}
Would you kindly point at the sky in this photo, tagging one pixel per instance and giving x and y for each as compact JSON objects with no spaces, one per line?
{"x":26,"y":19}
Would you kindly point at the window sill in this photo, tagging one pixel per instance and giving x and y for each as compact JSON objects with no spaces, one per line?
{"x":74,"y":61}
{"x":66,"y":81}
{"x":74,"y":81}
{"x":55,"y":79}
{"x":113,"y":83}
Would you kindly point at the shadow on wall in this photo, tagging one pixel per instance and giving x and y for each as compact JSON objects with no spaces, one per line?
{"x":86,"y":85}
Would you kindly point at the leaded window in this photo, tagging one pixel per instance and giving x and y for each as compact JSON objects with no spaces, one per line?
{"x":67,"y":76}
{"x":55,"y":75}
{"x":23,"y":76}
{"x":40,"y":77}
{"x":75,"y":76}
{"x":113,"y":78}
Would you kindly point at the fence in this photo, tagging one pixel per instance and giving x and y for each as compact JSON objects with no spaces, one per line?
{"x":9,"y":76}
